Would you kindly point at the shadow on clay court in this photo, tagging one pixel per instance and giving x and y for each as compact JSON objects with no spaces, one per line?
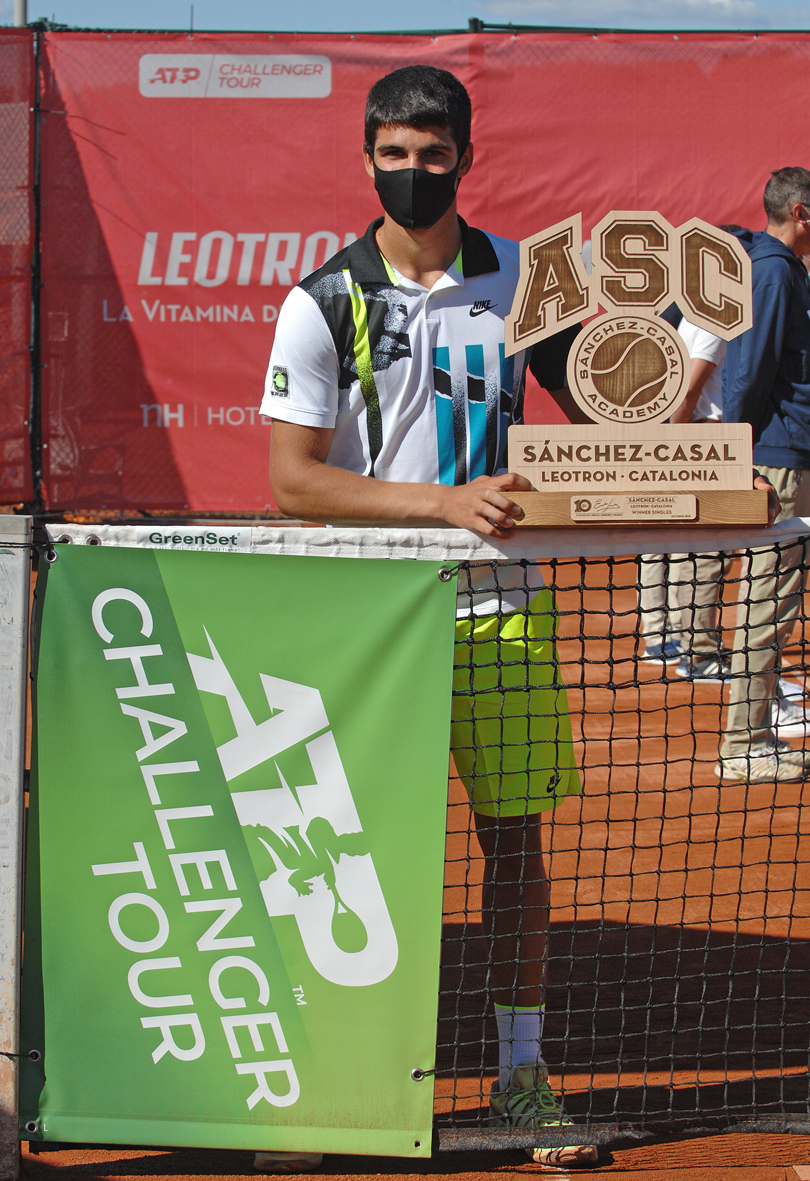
{"x":653,"y":1024}
{"x":191,"y":1162}
{"x":659,"y":1027}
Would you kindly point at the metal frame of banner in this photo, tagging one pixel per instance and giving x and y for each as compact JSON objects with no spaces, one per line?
{"x":448,"y":545}
{"x":15,"y":583}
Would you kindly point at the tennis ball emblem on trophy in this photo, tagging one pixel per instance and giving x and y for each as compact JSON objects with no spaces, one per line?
{"x":628,"y":371}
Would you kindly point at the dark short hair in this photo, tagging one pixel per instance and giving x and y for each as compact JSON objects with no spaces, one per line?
{"x":419,"y":96}
{"x":786,"y":187}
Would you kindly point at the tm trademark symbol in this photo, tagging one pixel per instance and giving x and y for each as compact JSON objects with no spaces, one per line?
{"x":298,"y":993}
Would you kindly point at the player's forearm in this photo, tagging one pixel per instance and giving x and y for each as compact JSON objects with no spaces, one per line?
{"x":687,"y":407}
{"x":305,"y":485}
{"x":701,"y":371}
{"x":317,"y":492}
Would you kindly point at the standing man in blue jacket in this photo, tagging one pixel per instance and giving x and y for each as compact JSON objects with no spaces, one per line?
{"x":767,"y":383}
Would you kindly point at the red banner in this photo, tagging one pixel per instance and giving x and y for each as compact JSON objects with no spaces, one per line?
{"x":190,"y":181}
{"x":16,"y":235}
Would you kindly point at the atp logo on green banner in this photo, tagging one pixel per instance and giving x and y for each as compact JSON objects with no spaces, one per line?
{"x":323,"y":872}
{"x":233,"y":907}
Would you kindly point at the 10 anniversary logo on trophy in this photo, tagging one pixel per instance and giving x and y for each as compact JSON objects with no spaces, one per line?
{"x":628,"y":371}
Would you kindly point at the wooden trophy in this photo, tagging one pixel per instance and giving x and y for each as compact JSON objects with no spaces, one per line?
{"x":628,"y":371}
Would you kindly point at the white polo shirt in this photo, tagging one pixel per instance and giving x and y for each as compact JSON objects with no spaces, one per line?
{"x":413,"y":381}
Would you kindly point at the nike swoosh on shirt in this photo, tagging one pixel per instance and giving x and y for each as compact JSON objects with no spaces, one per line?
{"x":483,"y":306}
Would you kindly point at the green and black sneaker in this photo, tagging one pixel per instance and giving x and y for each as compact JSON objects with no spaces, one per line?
{"x":529,"y":1102}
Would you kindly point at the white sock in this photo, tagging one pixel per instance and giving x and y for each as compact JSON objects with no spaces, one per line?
{"x":520,"y":1032}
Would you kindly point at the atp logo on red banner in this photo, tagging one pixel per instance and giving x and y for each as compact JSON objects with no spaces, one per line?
{"x":209,"y":75}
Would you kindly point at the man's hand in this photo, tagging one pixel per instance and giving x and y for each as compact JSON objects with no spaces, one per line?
{"x":774,"y":506}
{"x":483,"y":507}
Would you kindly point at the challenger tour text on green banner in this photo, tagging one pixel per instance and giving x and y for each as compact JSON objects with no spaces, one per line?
{"x":236,"y":850}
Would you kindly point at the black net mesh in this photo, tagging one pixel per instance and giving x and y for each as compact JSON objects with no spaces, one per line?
{"x":677,"y":953}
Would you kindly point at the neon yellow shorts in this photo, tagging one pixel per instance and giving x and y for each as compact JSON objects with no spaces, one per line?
{"x":511,"y":733}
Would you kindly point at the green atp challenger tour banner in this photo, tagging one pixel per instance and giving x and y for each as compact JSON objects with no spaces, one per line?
{"x":236,"y":850}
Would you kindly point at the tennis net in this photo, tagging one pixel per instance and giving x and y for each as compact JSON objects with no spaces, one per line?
{"x":677,"y":954}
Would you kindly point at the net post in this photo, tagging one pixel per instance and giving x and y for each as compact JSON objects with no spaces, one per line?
{"x":15,"y":580}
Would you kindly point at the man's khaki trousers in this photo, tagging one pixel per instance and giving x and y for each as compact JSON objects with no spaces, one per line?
{"x":770,"y":603}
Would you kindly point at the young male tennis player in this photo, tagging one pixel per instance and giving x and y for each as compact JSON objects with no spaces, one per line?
{"x":390,"y":397}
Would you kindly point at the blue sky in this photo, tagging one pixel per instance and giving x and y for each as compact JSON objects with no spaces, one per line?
{"x":362,"y":15}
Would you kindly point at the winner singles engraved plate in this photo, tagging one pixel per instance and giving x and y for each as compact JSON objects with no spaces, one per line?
{"x":629,"y":372}
{"x":679,"y":506}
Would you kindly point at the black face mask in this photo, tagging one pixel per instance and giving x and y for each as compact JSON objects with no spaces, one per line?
{"x":413,"y":197}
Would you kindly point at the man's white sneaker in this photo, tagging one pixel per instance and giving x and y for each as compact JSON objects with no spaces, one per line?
{"x":287,"y":1162}
{"x":669,"y":652}
{"x":766,"y":764}
{"x":787,"y":688}
{"x":788,"y":714}
{"x":716,"y":667}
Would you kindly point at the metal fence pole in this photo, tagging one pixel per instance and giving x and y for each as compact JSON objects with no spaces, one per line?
{"x":15,"y":580}
{"x":35,"y":409}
